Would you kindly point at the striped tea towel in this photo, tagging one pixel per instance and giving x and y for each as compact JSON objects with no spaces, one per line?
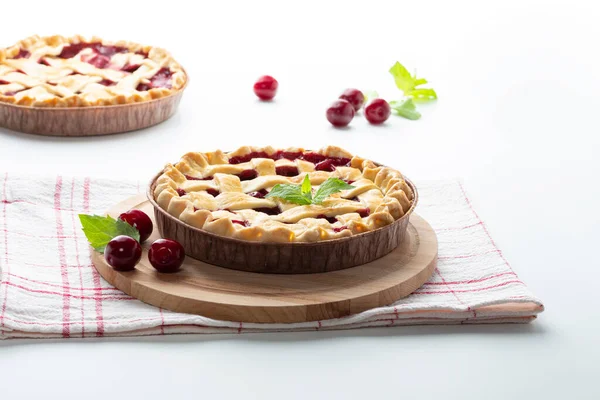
{"x":50,"y":289}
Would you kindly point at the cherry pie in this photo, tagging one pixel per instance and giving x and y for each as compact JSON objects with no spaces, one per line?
{"x":224,"y":193}
{"x":74,"y":72}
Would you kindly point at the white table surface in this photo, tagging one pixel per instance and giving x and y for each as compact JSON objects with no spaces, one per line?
{"x":517,"y":119}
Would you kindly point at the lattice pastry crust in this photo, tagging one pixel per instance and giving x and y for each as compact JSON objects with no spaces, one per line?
{"x":223,"y":193}
{"x":57,"y":71}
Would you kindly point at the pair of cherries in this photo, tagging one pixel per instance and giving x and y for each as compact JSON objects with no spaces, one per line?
{"x":341,"y":111}
{"x":124,"y":252}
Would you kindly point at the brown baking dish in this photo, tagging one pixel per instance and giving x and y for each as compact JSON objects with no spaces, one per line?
{"x":282,"y":258}
{"x":89,"y":121}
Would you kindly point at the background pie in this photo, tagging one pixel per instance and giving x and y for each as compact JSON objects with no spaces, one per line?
{"x":57,"y":71}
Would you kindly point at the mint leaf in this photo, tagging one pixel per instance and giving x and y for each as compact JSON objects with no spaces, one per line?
{"x":302,"y":194}
{"x":404,"y":80}
{"x":329,"y":187}
{"x":405,"y":108}
{"x":423,"y":95}
{"x":306,"y":188}
{"x":123,"y":228}
{"x":408,"y":84}
{"x":100,"y":230}
{"x":290,"y":193}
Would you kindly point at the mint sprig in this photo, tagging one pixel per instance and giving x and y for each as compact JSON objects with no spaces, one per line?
{"x":302,"y":194}
{"x":409,"y":83}
{"x":100,"y":230}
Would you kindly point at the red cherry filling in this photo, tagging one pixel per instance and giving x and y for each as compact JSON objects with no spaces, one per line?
{"x":162,"y":79}
{"x":43,"y":61}
{"x":3,"y":82}
{"x":286,"y":170}
{"x":97,"y":60}
{"x":288,"y":155}
{"x":247,"y":175}
{"x":243,"y":223}
{"x":181,"y":192}
{"x":166,"y":255}
{"x":326,"y":165}
{"x":140,"y":221}
{"x":191,"y":178}
{"x":22,"y":54}
{"x":260,"y":194}
{"x":143,"y":87}
{"x":313,"y":157}
{"x":11,"y":93}
{"x":364,"y":212}
{"x":213,"y":192}
{"x":248,"y":157}
{"x":331,"y":220}
{"x":330,"y":163}
{"x":107,"y":82}
{"x":72,"y":50}
{"x":269,"y":211}
{"x":123,"y":253}
{"x":341,"y":228}
{"x":130,"y":67}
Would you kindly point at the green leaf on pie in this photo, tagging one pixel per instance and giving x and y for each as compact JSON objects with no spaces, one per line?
{"x":289,"y":193}
{"x":329,"y":187}
{"x":405,"y":108}
{"x":100,"y":230}
{"x":302,"y":194}
{"x":306,"y":188}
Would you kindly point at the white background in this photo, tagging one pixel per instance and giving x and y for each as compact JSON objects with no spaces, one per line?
{"x":517,"y":118}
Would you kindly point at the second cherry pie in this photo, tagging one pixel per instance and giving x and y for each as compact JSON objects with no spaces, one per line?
{"x":74,"y":72}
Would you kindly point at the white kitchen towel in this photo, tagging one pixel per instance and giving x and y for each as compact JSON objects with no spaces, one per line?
{"x":50,"y":289}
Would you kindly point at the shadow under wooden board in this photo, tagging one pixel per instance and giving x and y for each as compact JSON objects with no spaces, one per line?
{"x":88,"y":121}
{"x":225,"y":294}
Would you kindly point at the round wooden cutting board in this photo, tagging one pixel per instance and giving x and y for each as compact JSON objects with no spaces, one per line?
{"x":221,"y":293}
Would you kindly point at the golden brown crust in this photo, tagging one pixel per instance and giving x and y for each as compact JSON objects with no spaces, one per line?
{"x":204,"y":191}
{"x":43,"y":91}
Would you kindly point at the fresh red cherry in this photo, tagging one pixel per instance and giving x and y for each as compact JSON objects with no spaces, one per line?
{"x":140,"y":221}
{"x":377,"y":111}
{"x":123,"y":253}
{"x":266,"y":87}
{"x":166,"y":255}
{"x":340,"y":113}
{"x":355,"y":97}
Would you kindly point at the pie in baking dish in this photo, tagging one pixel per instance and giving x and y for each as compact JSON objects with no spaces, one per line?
{"x":57,"y":71}
{"x":227,"y":193}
